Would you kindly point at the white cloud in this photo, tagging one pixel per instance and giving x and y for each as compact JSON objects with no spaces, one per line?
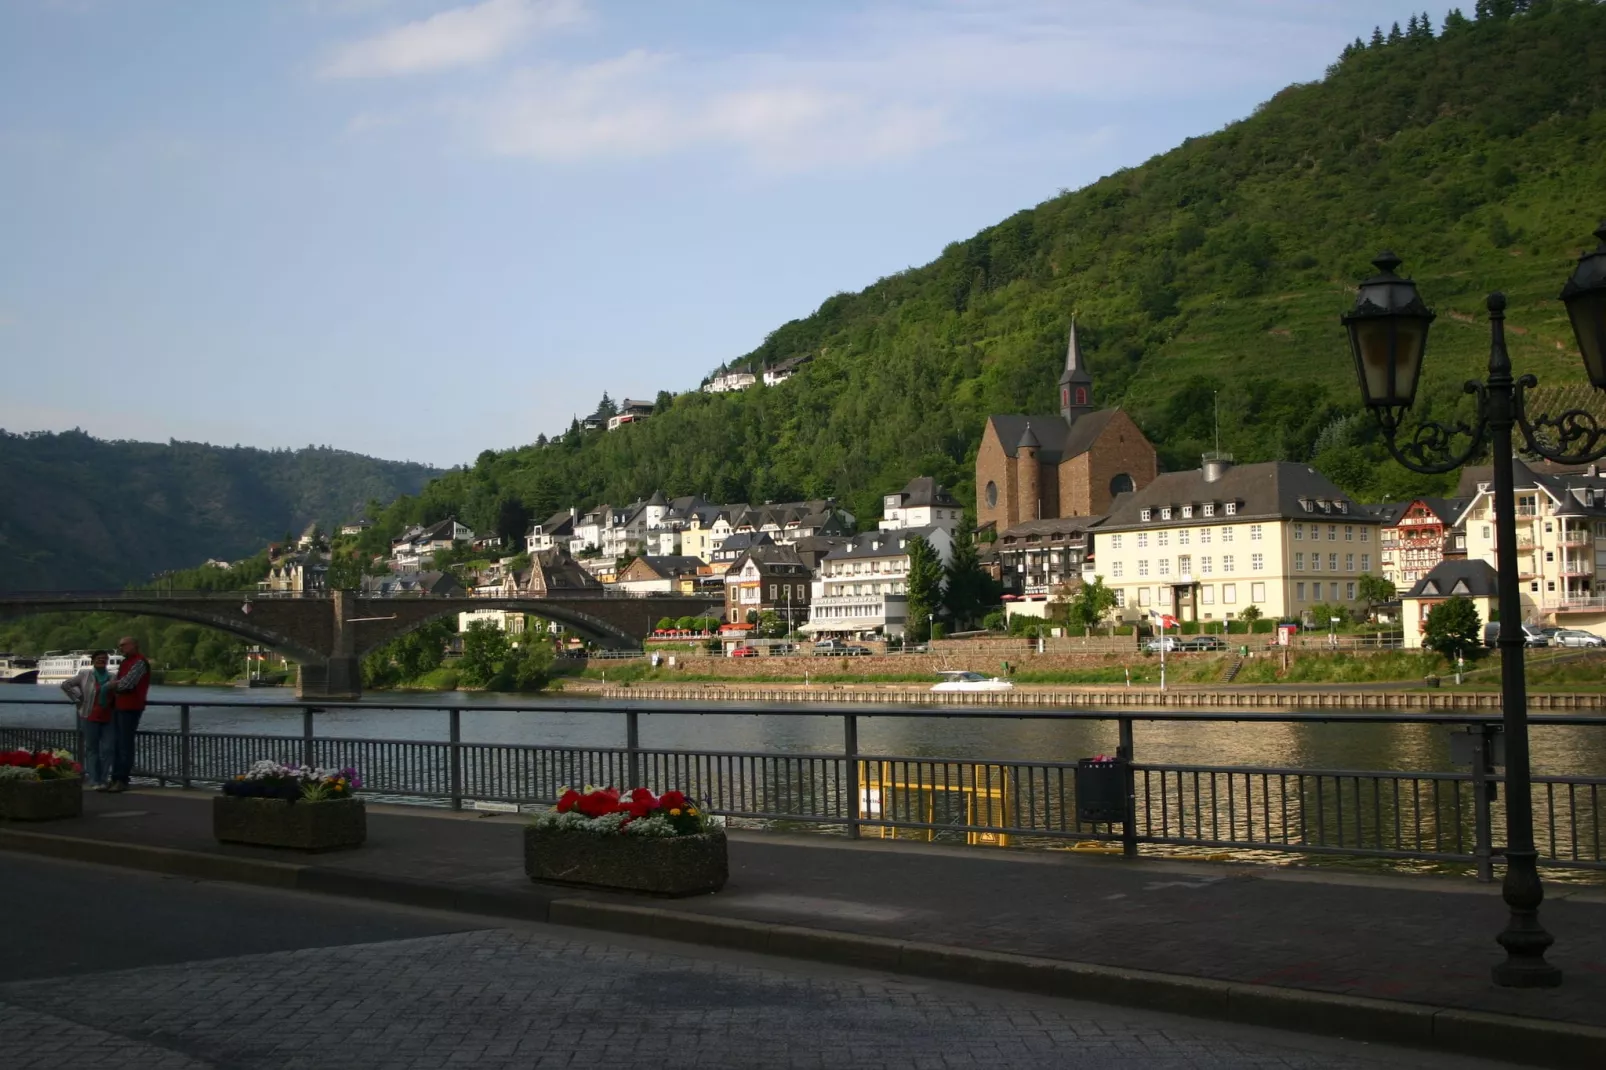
{"x":459,"y":37}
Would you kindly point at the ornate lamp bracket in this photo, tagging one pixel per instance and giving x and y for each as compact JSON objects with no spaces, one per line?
{"x":1431,"y":447}
{"x":1575,"y":436}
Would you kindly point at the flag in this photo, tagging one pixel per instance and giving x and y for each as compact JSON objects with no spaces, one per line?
{"x":1163,"y":620}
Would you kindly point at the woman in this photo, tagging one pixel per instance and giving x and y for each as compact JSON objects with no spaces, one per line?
{"x":94,"y":695}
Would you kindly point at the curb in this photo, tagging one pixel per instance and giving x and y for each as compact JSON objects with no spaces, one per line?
{"x":1530,"y":1041}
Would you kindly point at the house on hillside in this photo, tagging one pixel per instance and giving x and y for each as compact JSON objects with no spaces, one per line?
{"x":1474,"y":580}
{"x":1036,"y":556}
{"x":768,"y":579}
{"x":1416,"y":536}
{"x":414,"y":584}
{"x":300,"y":573}
{"x":862,"y":588}
{"x":727,"y":381}
{"x":629,"y":412}
{"x":922,"y":503}
{"x":780,"y":372}
{"x":356,"y":527}
{"x":660,"y":575}
{"x":555,"y":530}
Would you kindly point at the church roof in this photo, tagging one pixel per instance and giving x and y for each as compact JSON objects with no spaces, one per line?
{"x":1075,"y":366}
{"x":1028,"y":441}
{"x":1058,"y":441}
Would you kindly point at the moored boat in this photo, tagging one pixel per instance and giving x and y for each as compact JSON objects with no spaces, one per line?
{"x":17,"y":669}
{"x":964,"y":680}
{"x":57,"y":666}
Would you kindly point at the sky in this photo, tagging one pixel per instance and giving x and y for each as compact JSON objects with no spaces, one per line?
{"x":420,"y":229}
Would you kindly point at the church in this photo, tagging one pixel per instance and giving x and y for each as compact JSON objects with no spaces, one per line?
{"x":1070,"y":464}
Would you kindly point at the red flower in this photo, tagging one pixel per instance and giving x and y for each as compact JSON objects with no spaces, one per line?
{"x":671,"y":800}
{"x":598,"y":803}
{"x":568,"y":801}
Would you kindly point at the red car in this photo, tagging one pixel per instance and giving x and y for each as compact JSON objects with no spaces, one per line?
{"x":744,"y":652}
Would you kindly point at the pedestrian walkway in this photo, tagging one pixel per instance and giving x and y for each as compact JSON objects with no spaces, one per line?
{"x":1420,"y":942}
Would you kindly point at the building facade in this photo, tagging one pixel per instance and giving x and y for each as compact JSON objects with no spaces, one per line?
{"x":768,"y":579}
{"x":923,"y":503}
{"x":862,"y":589}
{"x":1037,"y":556}
{"x":1473,"y":580}
{"x":1071,"y":464}
{"x":1416,"y":536}
{"x":1208,"y":544}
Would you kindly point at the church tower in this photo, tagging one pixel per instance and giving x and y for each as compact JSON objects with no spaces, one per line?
{"x":1076,"y":385}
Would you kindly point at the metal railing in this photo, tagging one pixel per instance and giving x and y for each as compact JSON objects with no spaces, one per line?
{"x":1450,"y":817}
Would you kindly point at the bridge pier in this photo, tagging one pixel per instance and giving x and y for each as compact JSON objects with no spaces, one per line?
{"x":338,"y":679}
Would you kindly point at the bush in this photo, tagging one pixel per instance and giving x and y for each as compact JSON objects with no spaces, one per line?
{"x":1125,"y":629}
{"x":1189,"y":627}
{"x":994,"y":621}
{"x":1264,"y":627}
{"x":938,"y":630}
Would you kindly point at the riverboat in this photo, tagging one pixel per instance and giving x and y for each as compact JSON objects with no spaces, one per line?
{"x":963,"y":680}
{"x":56,"y":667}
{"x":16,"y":669}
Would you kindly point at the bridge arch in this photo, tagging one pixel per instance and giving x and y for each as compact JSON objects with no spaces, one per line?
{"x":238,"y":625}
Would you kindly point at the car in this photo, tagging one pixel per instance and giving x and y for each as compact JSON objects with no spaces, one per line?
{"x":783,"y":648}
{"x":1531,"y":636}
{"x":1204,"y":642}
{"x":856,"y":651}
{"x":1576,"y":637}
{"x":744,"y":651}
{"x":1168,"y":643}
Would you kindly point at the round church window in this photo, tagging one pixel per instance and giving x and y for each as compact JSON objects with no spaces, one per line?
{"x":992,"y":493}
{"x":1121,"y":484}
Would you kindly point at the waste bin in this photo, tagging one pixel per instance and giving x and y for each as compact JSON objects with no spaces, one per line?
{"x":1101,"y":789}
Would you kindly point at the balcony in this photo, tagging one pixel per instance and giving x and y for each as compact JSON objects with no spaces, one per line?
{"x":1577,"y":538}
{"x":1583,"y":603}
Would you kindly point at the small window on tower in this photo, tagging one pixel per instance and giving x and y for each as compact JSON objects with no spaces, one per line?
{"x":1081,"y":395}
{"x":1065,"y":398}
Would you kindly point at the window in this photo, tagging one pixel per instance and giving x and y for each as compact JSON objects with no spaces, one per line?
{"x":1349,"y":592}
{"x":1226,"y":563}
{"x":1299,"y":592}
{"x":1366,"y":562}
{"x":1120,"y":597}
{"x":1182,"y":537}
{"x":1299,"y":562}
{"x":1143,"y":596}
{"x":1204,"y":535}
{"x":1187,"y":512}
{"x":1143,"y":566}
{"x":1115,"y":570}
{"x":1143,"y":539}
{"x":1550,"y":555}
{"x":1254,"y":532}
{"x":1165,"y":513}
{"x":1232,"y":508}
{"x":1144,"y":516}
{"x":1550,"y":585}
{"x":1185,"y":565}
{"x":1257,"y":562}
{"x":1349,"y":532}
{"x":1349,"y":562}
{"x":1209,"y":508}
{"x":1115,"y":542}
{"x":1332,"y":533}
{"x":1332,"y":562}
{"x":1165,"y":566}
{"x":1165,"y":596}
{"x":1229,"y":593}
{"x":773,"y":589}
{"x":1299,"y":531}
{"x":1204,"y":566}
{"x":1534,"y":586}
{"x":1366,"y":534}
{"x":1257,"y":592}
{"x":1207,"y":594}
{"x":1163,"y":539}
{"x":1226,"y":534}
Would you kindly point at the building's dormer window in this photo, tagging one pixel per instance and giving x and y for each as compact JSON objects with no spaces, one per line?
{"x":1304,"y":503}
{"x":1187,"y":512}
{"x":1165,"y":513}
{"x":1232,"y":508}
{"x":1343,"y":507}
{"x":1144,"y":516}
{"x":1209,"y":508}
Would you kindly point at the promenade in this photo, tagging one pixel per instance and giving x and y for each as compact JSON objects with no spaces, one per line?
{"x":1384,"y":958}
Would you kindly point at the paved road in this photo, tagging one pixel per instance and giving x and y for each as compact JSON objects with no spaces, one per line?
{"x":124,"y":969}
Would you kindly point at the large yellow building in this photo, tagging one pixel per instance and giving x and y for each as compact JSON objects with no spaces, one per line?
{"x":1208,"y":544}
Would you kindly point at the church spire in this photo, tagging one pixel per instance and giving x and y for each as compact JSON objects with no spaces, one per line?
{"x":1076,"y":385}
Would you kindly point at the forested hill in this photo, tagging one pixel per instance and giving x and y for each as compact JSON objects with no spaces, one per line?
{"x":1474,"y":148}
{"x":78,"y":512}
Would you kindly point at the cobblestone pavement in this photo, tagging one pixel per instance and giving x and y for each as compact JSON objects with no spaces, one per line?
{"x":537,"y":997}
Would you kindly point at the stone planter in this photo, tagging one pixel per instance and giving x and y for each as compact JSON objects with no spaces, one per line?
{"x":41,"y":800}
{"x":659,"y":865}
{"x":304,"y":826}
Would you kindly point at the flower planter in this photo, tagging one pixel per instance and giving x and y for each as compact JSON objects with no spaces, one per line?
{"x":660,"y":865}
{"x":304,"y":826}
{"x":41,"y":800}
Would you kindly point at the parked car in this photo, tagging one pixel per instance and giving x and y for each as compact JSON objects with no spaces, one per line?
{"x":1576,"y":637}
{"x":1531,"y":636}
{"x":1204,"y":642}
{"x":1168,"y":643}
{"x":783,"y":648}
{"x":744,"y":651}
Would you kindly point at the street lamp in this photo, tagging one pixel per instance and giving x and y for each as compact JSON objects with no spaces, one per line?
{"x":1388,"y":330}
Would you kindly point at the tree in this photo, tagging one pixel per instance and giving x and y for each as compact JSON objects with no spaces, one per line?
{"x":485,"y":647}
{"x":345,"y":573}
{"x":1250,"y":614}
{"x":661,"y":406}
{"x":1453,"y":627}
{"x":606,"y":407}
{"x":1091,"y":604}
{"x":970,"y":591}
{"x":1374,"y":590}
{"x":1454,"y":22}
{"x":770,"y":625}
{"x":924,"y":587}
{"x":529,"y":666}
{"x":1395,"y":37}
{"x":512,"y":521}
{"x":1377,"y":37}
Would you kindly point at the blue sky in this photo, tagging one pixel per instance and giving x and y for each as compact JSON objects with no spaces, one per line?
{"x":420,"y":228}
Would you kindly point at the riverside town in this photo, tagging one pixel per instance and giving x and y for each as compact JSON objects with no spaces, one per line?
{"x":1206,"y":558}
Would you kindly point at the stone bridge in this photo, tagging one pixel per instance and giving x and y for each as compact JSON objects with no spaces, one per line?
{"x":328,"y":635}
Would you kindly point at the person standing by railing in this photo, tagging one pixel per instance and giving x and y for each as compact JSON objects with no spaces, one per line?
{"x":133,"y":683}
{"x":93,"y":692}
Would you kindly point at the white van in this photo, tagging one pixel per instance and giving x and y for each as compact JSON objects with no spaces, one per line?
{"x":1531,"y":636}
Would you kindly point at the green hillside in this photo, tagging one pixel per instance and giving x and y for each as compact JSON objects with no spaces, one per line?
{"x":1476,"y":150}
{"x":81,"y":513}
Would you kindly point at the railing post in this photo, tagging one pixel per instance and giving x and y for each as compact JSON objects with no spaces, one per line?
{"x":455,"y":733}
{"x":306,"y":736}
{"x":1482,"y":796}
{"x":633,"y":749}
{"x":1129,"y":822}
{"x":850,"y":752}
{"x":184,"y":746}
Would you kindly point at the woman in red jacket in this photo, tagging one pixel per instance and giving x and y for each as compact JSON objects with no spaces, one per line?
{"x":133,"y":681}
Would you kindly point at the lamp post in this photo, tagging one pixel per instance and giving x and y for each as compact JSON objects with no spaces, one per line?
{"x":1388,"y":329}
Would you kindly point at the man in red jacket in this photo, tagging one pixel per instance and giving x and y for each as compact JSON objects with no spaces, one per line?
{"x":133,"y":681}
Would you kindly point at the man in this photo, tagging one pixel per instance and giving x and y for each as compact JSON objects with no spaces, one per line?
{"x":133,"y":681}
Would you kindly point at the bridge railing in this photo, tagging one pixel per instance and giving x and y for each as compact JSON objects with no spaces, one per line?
{"x":1452,"y":818}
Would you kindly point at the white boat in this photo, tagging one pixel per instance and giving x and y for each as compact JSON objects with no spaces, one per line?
{"x":16,"y":669}
{"x":963,"y":680}
{"x":56,"y":667}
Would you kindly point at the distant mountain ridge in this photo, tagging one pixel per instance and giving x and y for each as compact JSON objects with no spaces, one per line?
{"x":81,"y":512}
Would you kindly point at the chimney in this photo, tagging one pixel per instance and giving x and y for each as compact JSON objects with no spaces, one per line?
{"x":1215,"y":465}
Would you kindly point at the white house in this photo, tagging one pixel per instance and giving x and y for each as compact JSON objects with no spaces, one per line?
{"x":503,"y":620}
{"x":862,"y":588}
{"x":923,"y":503}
